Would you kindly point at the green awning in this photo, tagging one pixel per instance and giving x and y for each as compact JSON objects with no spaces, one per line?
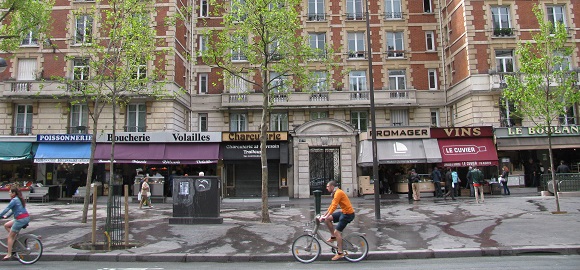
{"x":16,"y":151}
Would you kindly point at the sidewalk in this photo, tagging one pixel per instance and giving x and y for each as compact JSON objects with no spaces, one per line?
{"x":431,"y":228}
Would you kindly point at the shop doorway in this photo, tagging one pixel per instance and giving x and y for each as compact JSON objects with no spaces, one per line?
{"x":324,"y":166}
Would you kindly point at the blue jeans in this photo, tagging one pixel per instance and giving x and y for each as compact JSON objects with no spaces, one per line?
{"x":506,"y":189}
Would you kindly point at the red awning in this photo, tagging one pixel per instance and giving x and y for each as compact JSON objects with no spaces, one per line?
{"x":468,"y":152}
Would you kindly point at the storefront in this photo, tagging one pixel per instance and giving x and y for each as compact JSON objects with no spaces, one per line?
{"x":399,"y":149}
{"x":159,"y":154}
{"x":525,"y":151}
{"x":16,"y":153}
{"x":242,"y":164}
{"x":62,"y":161}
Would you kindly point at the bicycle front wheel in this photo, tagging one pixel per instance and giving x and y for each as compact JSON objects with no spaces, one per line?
{"x":356,"y":247}
{"x":29,"y":250}
{"x":306,"y":248}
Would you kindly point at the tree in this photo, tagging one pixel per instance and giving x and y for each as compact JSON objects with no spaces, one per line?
{"x":260,"y":43}
{"x":23,"y":18}
{"x":545,"y":88}
{"x":121,"y":61}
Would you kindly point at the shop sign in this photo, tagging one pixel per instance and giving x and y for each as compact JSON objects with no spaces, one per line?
{"x":461,"y":132}
{"x":559,"y":131}
{"x":462,"y":149}
{"x":253,"y":136}
{"x":249,"y":151}
{"x":64,"y":137}
{"x":399,"y":133}
{"x":160,"y":137}
{"x":468,"y":163}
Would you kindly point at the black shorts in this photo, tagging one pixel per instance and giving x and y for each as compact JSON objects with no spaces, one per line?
{"x":342,"y":220}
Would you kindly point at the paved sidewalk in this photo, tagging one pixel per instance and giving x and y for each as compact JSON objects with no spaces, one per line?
{"x":431,"y":228}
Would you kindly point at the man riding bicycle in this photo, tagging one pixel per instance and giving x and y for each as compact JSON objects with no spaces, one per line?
{"x":345,"y":216}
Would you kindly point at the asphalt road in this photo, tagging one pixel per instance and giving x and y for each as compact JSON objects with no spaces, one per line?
{"x":532,"y":262}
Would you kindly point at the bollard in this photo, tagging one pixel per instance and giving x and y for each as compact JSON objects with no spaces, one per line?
{"x":317,"y":196}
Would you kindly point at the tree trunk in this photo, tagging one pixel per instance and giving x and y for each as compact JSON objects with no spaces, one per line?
{"x":553,"y":170}
{"x":91,"y":163}
{"x":263,"y":140}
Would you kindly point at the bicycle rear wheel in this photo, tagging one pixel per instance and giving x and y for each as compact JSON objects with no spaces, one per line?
{"x":356,"y":247}
{"x":29,"y":249}
{"x":306,"y":248}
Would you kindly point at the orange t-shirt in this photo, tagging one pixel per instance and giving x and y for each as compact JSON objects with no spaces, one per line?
{"x":341,"y":199}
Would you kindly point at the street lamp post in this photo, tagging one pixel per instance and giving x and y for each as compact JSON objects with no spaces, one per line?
{"x":373,"y":120}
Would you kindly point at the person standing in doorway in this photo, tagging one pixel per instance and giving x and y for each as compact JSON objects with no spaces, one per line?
{"x":436,"y":177}
{"x":414,"y":178}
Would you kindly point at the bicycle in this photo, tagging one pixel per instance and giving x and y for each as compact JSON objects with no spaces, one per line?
{"x":27,"y":248}
{"x":306,"y":248}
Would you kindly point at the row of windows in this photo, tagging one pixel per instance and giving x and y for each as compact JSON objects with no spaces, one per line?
{"x":79,"y":117}
{"x":354,"y":9}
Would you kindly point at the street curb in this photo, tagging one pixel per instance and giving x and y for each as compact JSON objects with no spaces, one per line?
{"x":287,"y":257}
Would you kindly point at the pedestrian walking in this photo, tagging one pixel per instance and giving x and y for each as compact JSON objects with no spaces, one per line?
{"x":503,"y":179}
{"x":477,"y":177}
{"x":470,"y":182}
{"x":436,"y":177}
{"x":562,"y":168}
{"x":453,"y":182}
{"x":145,"y":193}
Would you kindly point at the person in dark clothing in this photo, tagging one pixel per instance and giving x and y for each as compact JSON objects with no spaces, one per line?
{"x":436,"y":177}
{"x":563,"y":168}
{"x":504,"y":180}
{"x":470,"y":182}
{"x":69,"y":184}
{"x":410,"y":186}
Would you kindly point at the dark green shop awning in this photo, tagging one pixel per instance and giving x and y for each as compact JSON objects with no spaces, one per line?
{"x":16,"y":150}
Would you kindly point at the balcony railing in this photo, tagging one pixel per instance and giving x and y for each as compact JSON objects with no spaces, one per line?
{"x":135,"y":128}
{"x":316,"y":17}
{"x":78,"y":130}
{"x":22,"y":130}
{"x":383,"y":97}
{"x":21,"y":86}
{"x":393,"y":15}
{"x":357,"y":54}
{"x":503,"y":32}
{"x":355,"y":16}
{"x":395,"y":54}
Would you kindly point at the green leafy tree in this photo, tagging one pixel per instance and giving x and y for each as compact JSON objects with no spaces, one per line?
{"x":22,"y":18}
{"x":260,"y":43}
{"x":120,"y":61}
{"x":545,"y":88}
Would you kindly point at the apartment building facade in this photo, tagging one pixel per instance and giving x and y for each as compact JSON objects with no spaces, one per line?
{"x":435,"y":64}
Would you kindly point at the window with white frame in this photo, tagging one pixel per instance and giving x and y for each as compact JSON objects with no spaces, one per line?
{"x":238,"y":122}
{"x":203,"y":8}
{"x":504,"y":61}
{"x":435,"y":117}
{"x":237,"y":52}
{"x":356,"y":45}
{"x":80,"y":69}
{"x":140,"y":70}
{"x":556,"y":14}
{"x":397,"y":80}
{"x":203,"y":83}
{"x":238,"y":84}
{"x":316,"y":11}
{"x":26,"y":69}
{"x":202,"y":45}
{"x":395,"y":46}
{"x":23,"y":119}
{"x":237,"y":12}
{"x":318,"y":115}
{"x":393,"y":9}
{"x":136,"y":116}
{"x":360,"y":120}
{"x":569,"y":117}
{"x":501,"y":20}
{"x":30,"y":39}
{"x":508,"y":116}
{"x":427,"y":6}
{"x":430,"y":41}
{"x":563,"y":63}
{"x":318,"y":43}
{"x":357,"y":81}
{"x":399,"y":117}
{"x":432,"y":74}
{"x":279,"y":121}
{"x":354,"y":10}
{"x":79,"y":118}
{"x":320,"y":81}
{"x":84,"y":29}
{"x":202,"y":122}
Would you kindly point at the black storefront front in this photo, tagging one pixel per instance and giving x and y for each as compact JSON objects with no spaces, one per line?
{"x":242,"y":164}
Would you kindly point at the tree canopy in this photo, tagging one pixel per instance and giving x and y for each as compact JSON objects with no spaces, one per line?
{"x":23,"y":18}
